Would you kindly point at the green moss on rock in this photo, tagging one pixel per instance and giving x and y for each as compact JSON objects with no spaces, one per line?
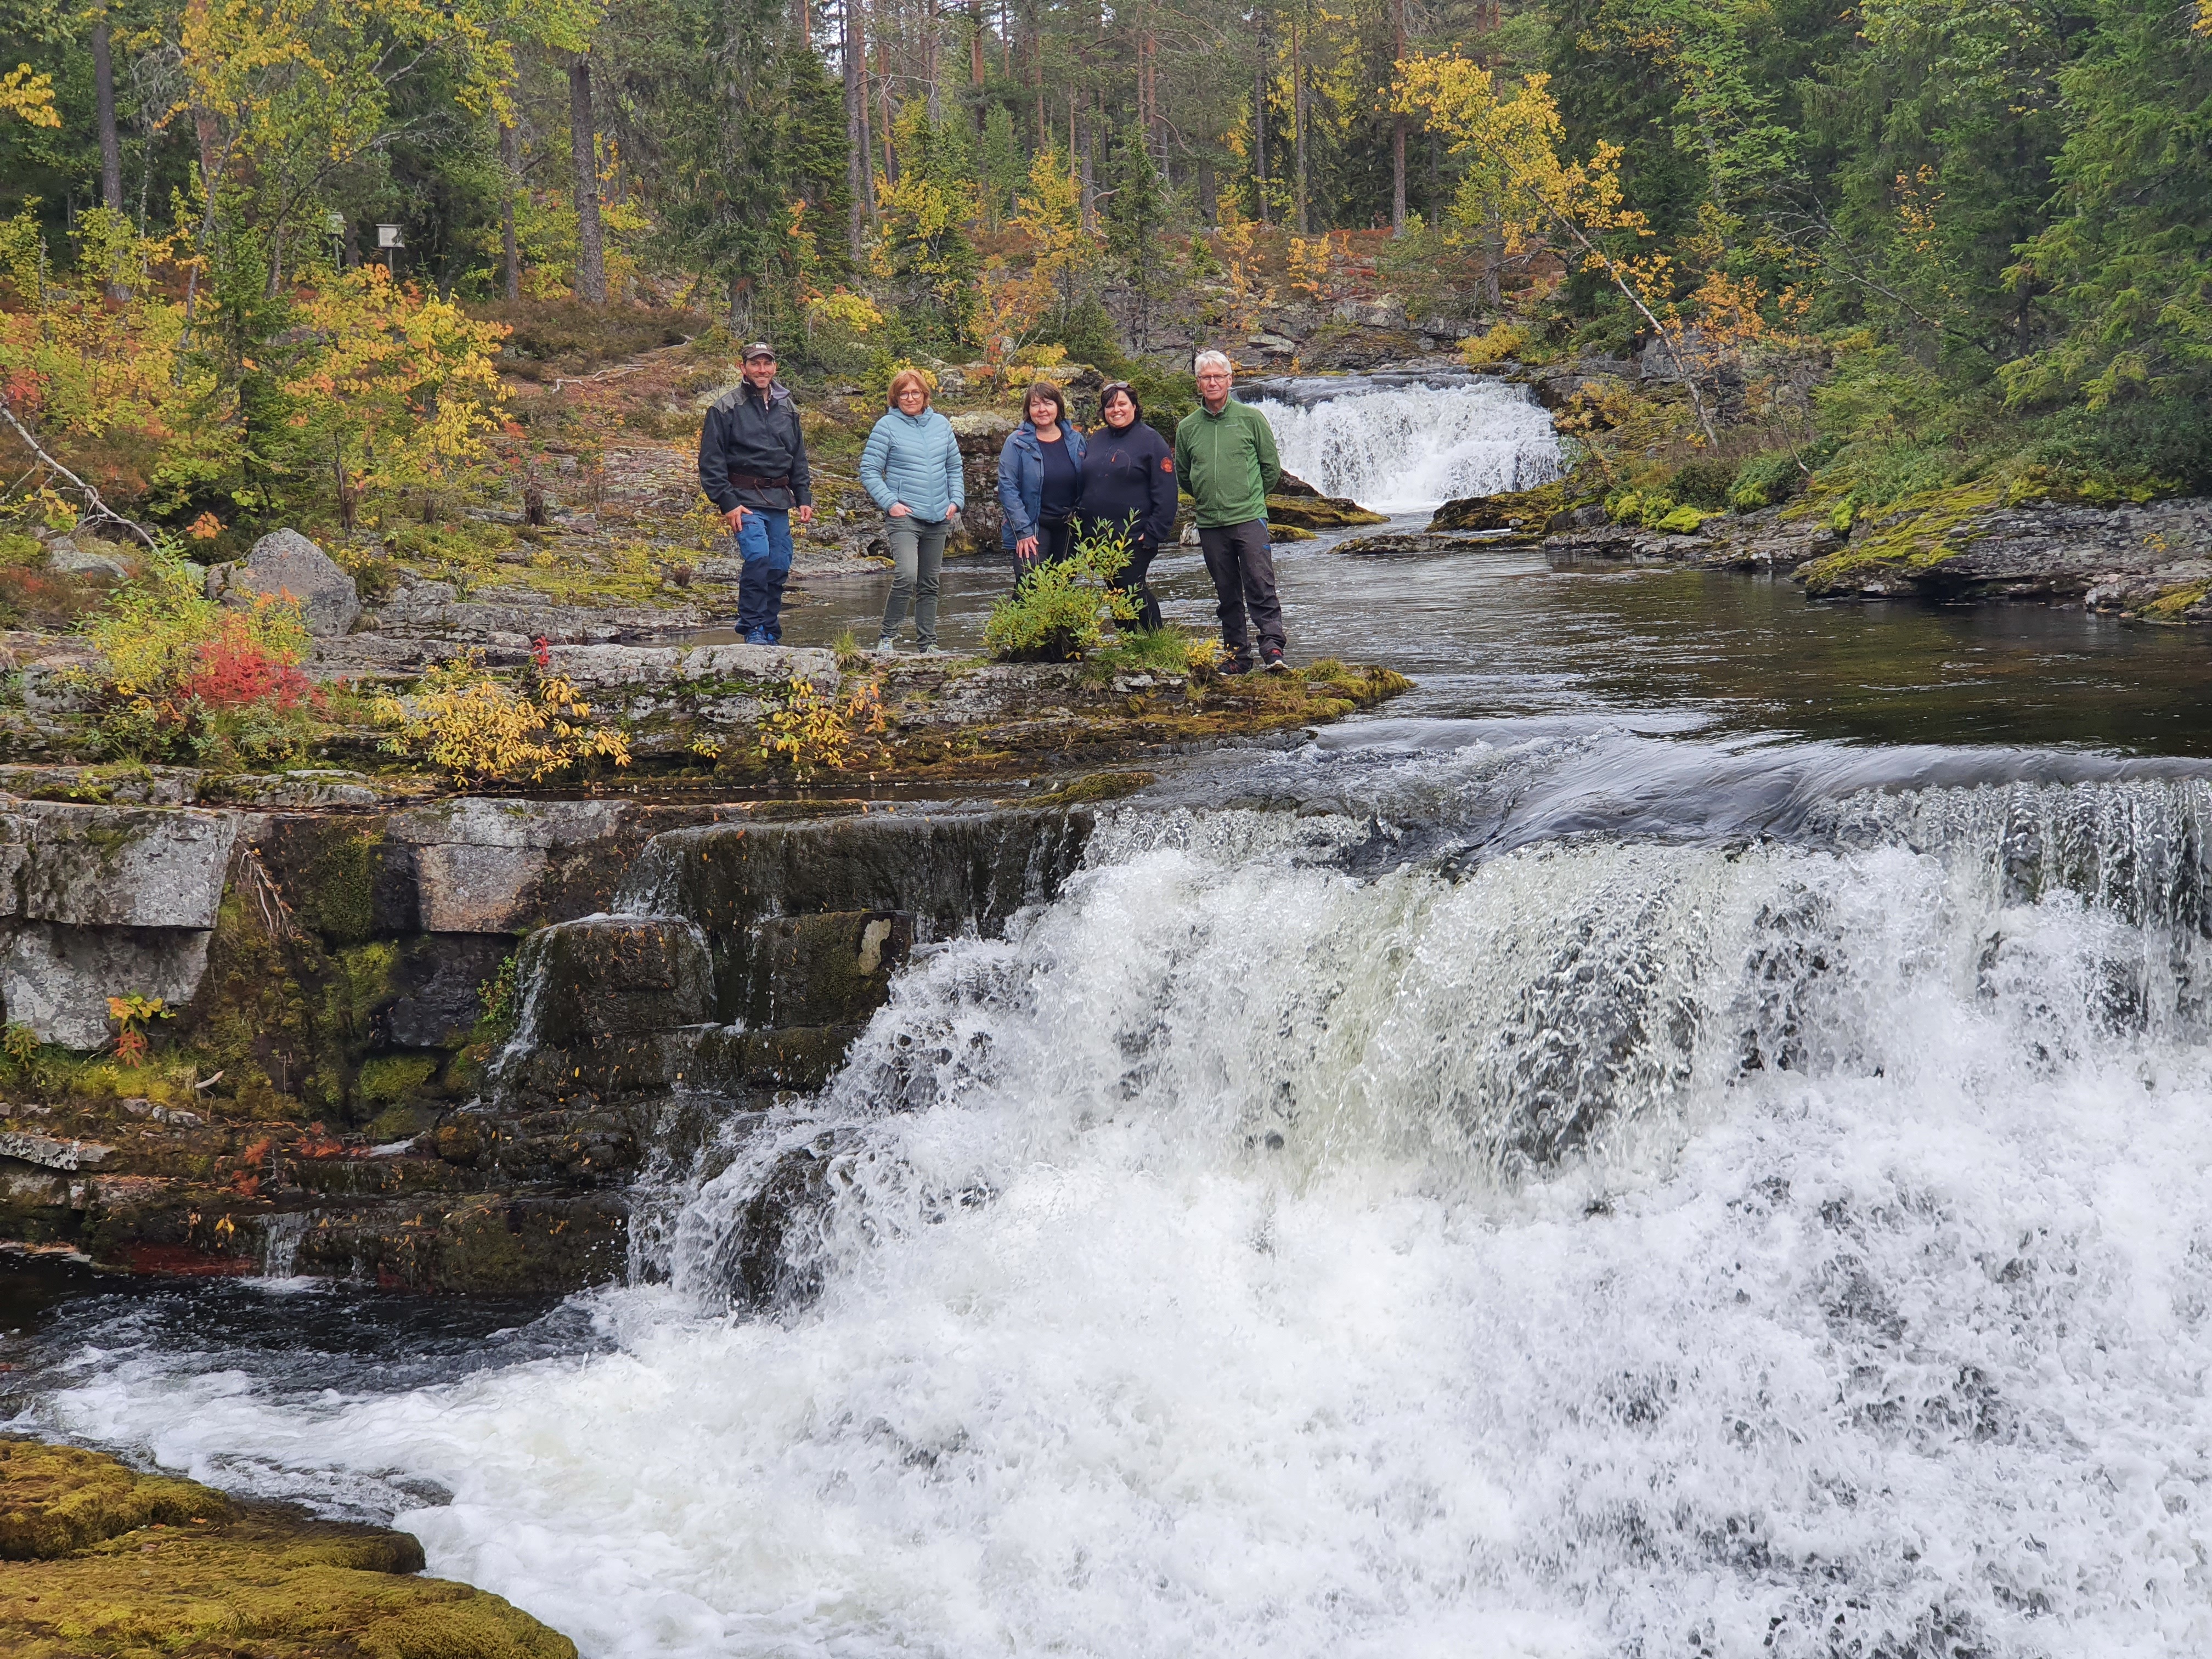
{"x":1916,"y":535}
{"x":2172,"y":605}
{"x":150,"y":1567}
{"x":55,"y":1500}
{"x":1525,"y":512}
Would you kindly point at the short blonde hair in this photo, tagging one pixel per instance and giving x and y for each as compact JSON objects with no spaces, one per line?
{"x":901,"y":381}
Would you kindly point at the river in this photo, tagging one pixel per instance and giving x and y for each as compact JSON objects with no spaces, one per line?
{"x":1688,"y":1134}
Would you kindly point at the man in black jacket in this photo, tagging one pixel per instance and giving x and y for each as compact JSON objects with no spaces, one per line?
{"x":752,"y":465}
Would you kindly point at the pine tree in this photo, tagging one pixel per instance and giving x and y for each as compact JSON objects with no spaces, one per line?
{"x":1136,"y":243}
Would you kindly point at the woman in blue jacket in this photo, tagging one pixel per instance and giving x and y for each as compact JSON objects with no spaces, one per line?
{"x":911,"y":468}
{"x":1129,"y":491}
{"x":1040,"y":482}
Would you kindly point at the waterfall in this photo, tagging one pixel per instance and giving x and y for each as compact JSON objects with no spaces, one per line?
{"x":1613,"y":1244}
{"x":1400,"y":449}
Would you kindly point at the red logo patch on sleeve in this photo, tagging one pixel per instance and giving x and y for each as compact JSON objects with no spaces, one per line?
{"x":1167,"y":462}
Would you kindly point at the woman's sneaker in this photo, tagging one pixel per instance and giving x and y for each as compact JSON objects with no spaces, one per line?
{"x":1271,"y":660}
{"x":886,"y":647}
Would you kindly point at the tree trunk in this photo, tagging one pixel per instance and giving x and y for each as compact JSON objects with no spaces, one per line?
{"x":1298,"y":118}
{"x":583,"y":145}
{"x":1260,"y":116}
{"x":884,"y":108}
{"x":510,"y":250}
{"x":858,"y":180}
{"x":1398,"y":127}
{"x":111,"y":147}
{"x":1036,"y":79}
{"x":1079,"y":134}
{"x":930,"y":72}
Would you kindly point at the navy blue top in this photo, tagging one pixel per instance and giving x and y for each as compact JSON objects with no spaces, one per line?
{"x":1063,"y":483}
{"x":1129,"y":483}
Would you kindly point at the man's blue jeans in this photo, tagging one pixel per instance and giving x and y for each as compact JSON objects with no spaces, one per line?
{"x":764,"y":543}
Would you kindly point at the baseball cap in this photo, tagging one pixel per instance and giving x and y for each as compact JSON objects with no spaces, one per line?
{"x":759,"y":349}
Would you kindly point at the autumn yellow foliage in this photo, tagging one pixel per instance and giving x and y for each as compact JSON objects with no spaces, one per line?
{"x":810,"y":731}
{"x":478,"y":728}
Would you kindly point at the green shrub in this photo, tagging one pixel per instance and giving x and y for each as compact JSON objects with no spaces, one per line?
{"x":1765,"y":481}
{"x":1704,"y":484}
{"x":1058,"y":611}
{"x":1642,"y":508}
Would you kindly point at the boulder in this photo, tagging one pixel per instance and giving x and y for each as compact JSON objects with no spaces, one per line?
{"x":1968,"y":541}
{"x":101,"y":866}
{"x":603,"y":667}
{"x":285,"y":563}
{"x":57,"y":979}
{"x":1524,"y":511}
{"x":1317,"y":512}
{"x":66,"y":558}
{"x":1387,"y":311}
{"x":1414,"y":543}
{"x":615,"y":976}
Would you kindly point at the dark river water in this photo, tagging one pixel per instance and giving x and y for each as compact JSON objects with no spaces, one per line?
{"x":1501,"y":631}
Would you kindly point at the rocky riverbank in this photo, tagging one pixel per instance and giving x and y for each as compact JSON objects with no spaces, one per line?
{"x":102,"y":1559}
{"x":2150,"y":562}
{"x":329,"y":967}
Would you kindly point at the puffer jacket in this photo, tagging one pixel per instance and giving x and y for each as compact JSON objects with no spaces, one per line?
{"x":914,"y":458}
{"x":748,"y":436}
{"x":1021,"y":478}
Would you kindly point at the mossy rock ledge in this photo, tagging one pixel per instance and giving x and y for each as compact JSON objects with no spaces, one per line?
{"x":1969,"y":543}
{"x":427,"y":1045}
{"x":102,"y":1559}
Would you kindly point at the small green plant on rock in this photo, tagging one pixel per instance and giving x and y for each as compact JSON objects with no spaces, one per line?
{"x":1060,"y":610}
{"x":132,"y":1013}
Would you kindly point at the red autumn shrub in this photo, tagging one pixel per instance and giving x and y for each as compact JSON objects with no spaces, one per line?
{"x":233,"y":671}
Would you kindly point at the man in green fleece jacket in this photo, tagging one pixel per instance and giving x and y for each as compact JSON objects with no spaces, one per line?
{"x":1224,"y":454}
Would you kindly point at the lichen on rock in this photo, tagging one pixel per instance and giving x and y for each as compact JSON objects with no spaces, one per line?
{"x":105,"y":1560}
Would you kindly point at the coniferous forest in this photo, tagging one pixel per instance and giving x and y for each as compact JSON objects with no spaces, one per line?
{"x":1883,"y":249}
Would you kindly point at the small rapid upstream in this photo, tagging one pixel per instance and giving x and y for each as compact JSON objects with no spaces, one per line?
{"x":1399,"y":449}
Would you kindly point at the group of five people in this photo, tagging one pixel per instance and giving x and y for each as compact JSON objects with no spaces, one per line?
{"x":1055,"y":483}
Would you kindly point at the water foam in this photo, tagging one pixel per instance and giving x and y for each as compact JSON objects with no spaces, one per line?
{"x":1627,"y":1247}
{"x":1400,"y":451}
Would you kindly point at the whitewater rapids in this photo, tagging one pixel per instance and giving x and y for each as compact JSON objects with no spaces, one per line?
{"x":1396,"y":450}
{"x":1620,"y":1249}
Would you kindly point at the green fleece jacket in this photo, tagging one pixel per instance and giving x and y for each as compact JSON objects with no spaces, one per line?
{"x":1227,"y":463}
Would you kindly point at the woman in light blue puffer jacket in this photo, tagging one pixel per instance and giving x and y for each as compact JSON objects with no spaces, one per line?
{"x":911,"y":467}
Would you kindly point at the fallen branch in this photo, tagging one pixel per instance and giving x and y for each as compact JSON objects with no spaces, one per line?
{"x":101,"y":512}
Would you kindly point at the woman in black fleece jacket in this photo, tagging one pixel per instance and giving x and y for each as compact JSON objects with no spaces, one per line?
{"x":1129,"y":487}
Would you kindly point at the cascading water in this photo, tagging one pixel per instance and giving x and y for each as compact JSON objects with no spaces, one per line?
{"x":1400,"y":449}
{"x":1621,"y":1246}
